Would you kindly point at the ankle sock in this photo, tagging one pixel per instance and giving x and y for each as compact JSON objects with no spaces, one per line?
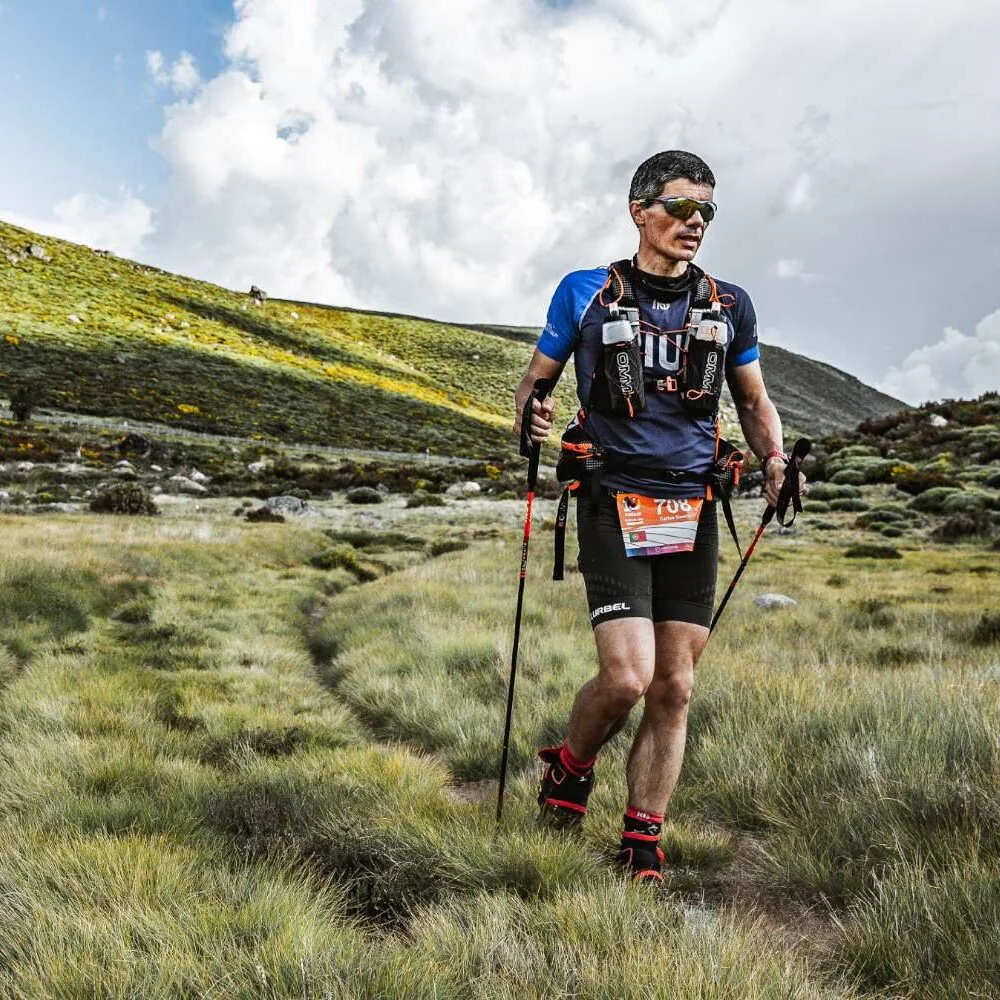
{"x":573,"y":765}
{"x":641,"y":834}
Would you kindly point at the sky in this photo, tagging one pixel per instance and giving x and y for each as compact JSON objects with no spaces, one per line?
{"x":455,"y":158}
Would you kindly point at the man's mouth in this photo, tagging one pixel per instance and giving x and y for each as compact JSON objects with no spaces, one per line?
{"x":690,"y":240}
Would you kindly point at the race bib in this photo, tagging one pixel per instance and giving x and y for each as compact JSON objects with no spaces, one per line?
{"x":654,"y":527}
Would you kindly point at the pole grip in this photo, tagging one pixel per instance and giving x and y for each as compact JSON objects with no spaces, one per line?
{"x":529,"y":449}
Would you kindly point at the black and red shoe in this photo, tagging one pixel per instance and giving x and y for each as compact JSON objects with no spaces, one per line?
{"x":565,"y":789}
{"x":640,"y":861}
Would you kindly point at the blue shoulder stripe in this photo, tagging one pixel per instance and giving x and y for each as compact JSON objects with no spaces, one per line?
{"x":752,"y":354}
{"x":571,"y":300}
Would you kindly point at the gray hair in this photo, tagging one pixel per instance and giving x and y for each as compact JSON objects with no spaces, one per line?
{"x":648,"y":180}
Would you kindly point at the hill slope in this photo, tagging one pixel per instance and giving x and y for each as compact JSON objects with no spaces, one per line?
{"x":89,"y":332}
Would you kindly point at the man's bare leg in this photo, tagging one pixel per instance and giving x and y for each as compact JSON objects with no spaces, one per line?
{"x":626,"y":653}
{"x":655,"y":761}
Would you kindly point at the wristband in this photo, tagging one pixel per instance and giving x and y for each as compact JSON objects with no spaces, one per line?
{"x":774,"y":453}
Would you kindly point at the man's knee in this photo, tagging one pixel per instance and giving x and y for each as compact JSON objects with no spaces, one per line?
{"x":624,"y":680}
{"x":672,"y":692}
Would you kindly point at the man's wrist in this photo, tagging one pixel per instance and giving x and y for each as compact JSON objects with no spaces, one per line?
{"x":773,"y":453}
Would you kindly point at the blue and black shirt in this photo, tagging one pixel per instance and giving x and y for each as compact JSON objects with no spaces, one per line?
{"x":663,"y":435}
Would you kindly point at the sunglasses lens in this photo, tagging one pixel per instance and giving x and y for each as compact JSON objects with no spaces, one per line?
{"x":684,"y":208}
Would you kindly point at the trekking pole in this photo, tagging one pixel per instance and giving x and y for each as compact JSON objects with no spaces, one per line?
{"x":530,"y":450}
{"x":789,"y":495}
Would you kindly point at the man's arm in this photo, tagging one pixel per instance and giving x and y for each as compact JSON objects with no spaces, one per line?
{"x":759,"y":421}
{"x":542,"y":413}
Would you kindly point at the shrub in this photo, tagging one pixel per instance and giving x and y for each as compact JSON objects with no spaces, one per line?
{"x":24,"y":399}
{"x":971,"y":523}
{"x":848,"y":477}
{"x":965,"y":503}
{"x":447,"y":545}
{"x":867,"y":551}
{"x":987,"y":630}
{"x":421,"y":499}
{"x":832,"y":491}
{"x":124,"y":498}
{"x":364,"y":494}
{"x":921,"y":481}
{"x":848,"y":504}
{"x":263,"y":515}
{"x":344,"y":557}
{"x":932,"y":501}
{"x":880,"y":515}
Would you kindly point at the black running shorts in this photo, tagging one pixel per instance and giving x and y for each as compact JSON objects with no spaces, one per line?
{"x":678,"y":586}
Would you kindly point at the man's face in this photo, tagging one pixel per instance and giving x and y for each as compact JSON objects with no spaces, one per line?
{"x":663,"y":235}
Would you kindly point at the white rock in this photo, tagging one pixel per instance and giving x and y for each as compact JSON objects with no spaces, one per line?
{"x":184,"y":485}
{"x":156,"y":468}
{"x":73,"y":318}
{"x":290,"y":505}
{"x":936,"y":420}
{"x":24,"y":466}
{"x":294,"y":314}
{"x":127,"y":473}
{"x":467,"y":489}
{"x":4,"y":497}
{"x":124,"y":464}
{"x":768,"y":601}
{"x":257,"y":467}
{"x":200,"y":477}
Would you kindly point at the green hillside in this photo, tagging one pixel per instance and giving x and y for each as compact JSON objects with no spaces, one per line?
{"x":87,"y":332}
{"x":93,"y":333}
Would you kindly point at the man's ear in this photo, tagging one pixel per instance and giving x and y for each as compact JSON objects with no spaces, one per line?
{"x":637,"y":212}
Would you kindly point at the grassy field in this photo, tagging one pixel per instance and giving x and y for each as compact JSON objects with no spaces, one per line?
{"x":229,"y":769}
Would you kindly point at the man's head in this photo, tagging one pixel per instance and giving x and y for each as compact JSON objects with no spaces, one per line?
{"x":660,"y":203}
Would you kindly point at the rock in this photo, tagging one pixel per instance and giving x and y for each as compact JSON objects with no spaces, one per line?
{"x":936,"y":420}
{"x":13,"y":258}
{"x":124,"y":464}
{"x":256,"y":468}
{"x":184,"y":485}
{"x":39,"y":252}
{"x":383,"y":489}
{"x":200,"y":477}
{"x":125,"y":472}
{"x":364,"y":494}
{"x":769,"y":601}
{"x":467,"y":489}
{"x":73,"y":318}
{"x":4,"y":498}
{"x":156,"y":468}
{"x":24,"y":466}
{"x":294,"y":314}
{"x":258,"y":295}
{"x":290,"y":505}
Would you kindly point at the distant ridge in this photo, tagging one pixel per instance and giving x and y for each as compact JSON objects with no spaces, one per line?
{"x":88,"y":332}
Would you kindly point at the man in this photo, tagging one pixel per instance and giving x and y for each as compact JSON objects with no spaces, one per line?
{"x":650,"y":612}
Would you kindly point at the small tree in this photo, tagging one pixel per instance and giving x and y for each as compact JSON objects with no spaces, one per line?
{"x":24,"y":398}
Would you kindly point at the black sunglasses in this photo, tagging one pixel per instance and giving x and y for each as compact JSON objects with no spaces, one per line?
{"x":684,"y":208}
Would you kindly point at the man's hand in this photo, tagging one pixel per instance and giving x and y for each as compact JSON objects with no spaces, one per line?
{"x":774,"y":478}
{"x":542,"y":414}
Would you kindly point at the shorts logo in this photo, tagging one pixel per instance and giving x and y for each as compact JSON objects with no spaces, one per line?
{"x":604,"y":609}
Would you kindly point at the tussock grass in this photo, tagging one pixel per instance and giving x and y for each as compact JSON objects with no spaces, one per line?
{"x":301,"y":803}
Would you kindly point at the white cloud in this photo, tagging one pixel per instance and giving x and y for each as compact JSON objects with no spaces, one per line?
{"x":800,"y":198}
{"x":119,"y":224}
{"x":793,"y":269}
{"x":182,"y":76}
{"x":957,"y":366}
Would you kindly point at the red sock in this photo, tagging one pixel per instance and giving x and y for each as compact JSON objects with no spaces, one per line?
{"x":573,"y":764}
